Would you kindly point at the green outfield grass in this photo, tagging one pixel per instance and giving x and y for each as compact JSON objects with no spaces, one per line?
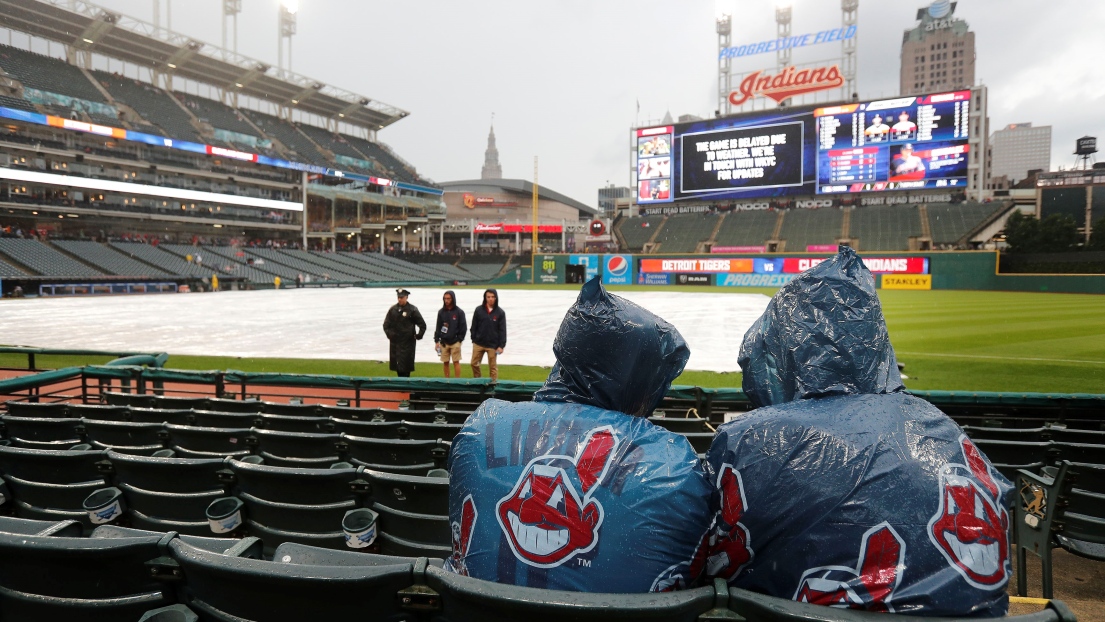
{"x":948,"y":340}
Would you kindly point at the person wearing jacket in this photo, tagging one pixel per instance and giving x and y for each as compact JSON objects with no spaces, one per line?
{"x":399,"y":325}
{"x":577,"y":490}
{"x":488,"y":334}
{"x":840,"y":488}
{"x":449,"y":332}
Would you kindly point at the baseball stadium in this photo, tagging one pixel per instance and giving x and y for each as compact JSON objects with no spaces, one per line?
{"x":824,"y":356}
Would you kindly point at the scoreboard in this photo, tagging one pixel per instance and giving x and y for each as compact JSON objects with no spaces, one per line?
{"x":904,"y":143}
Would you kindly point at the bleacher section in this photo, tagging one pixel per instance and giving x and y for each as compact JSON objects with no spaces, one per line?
{"x":8,"y":271}
{"x":48,"y":74}
{"x":805,"y":227}
{"x":949,"y":222}
{"x":217,"y":262}
{"x":747,"y":228}
{"x":163,"y":259}
{"x":637,"y":231}
{"x":884,"y":227}
{"x":44,"y":260}
{"x":683,"y":232}
{"x":383,"y":157}
{"x":333,"y":142}
{"x":109,"y":260}
{"x":18,"y":104}
{"x":289,"y":136}
{"x":305,"y":262}
{"x":156,"y":106}
{"x":217,"y":114}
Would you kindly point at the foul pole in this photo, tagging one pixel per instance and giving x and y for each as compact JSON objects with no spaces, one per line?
{"x":533,"y":239}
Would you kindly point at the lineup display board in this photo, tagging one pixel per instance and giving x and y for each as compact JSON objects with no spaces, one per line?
{"x":906,"y":143}
{"x":654,"y":165}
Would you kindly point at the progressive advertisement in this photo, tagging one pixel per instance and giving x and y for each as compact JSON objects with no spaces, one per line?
{"x":761,"y":272}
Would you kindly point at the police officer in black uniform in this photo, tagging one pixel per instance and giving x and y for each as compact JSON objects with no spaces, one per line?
{"x":399,"y":326}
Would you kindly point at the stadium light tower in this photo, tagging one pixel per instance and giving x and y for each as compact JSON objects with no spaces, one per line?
{"x":288,"y":10}
{"x":849,"y":10}
{"x":724,"y":63}
{"x":231,"y":9}
{"x":782,"y":29}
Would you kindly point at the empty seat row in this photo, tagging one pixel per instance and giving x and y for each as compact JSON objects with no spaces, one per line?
{"x":144,"y":409}
{"x":275,"y":447}
{"x":277,"y":504}
{"x":127,"y":574}
{"x":1009,"y":456}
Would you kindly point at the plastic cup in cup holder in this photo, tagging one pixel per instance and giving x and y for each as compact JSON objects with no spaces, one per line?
{"x":81,"y":447}
{"x":252,"y":459}
{"x":342,"y":465}
{"x":163,"y":453}
{"x":171,"y":613}
{"x":360,"y":528}
{"x":440,"y":473}
{"x":224,"y":515}
{"x":104,"y":506}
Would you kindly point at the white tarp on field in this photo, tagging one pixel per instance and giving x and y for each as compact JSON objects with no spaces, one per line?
{"x":346,"y":323}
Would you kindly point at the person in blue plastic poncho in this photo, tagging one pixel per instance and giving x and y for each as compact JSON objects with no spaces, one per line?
{"x":577,"y":490}
{"x":840,"y":488}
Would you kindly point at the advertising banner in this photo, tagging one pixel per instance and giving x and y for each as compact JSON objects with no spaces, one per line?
{"x":821,"y":248}
{"x":894,"y":281}
{"x":754,"y":280}
{"x":617,"y":269}
{"x":694,"y":279}
{"x":591,"y":262}
{"x":878,"y":265}
{"x":653,"y":279}
{"x":548,"y":269}
{"x":695,"y":265}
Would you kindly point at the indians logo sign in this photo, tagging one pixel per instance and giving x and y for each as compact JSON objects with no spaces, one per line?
{"x":788,"y":83}
{"x":970,"y":526}
{"x":550,"y":516}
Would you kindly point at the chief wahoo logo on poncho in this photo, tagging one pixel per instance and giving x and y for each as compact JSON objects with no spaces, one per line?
{"x":970,"y":526}
{"x":545,"y":519}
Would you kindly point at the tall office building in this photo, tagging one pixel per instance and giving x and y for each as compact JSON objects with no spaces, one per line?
{"x":491,"y":167}
{"x":938,"y":54}
{"x":1019,"y":148}
{"x":608,"y":197}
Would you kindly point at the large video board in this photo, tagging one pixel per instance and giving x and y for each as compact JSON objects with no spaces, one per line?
{"x":906,"y":143}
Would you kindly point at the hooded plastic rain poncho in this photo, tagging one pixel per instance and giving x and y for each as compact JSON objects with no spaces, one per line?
{"x":841,"y":489}
{"x":575,"y":490}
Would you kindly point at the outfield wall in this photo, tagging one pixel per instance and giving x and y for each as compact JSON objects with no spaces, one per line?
{"x":973,"y":270}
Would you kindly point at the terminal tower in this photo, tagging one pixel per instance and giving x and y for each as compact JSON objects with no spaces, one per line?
{"x":491,"y":167}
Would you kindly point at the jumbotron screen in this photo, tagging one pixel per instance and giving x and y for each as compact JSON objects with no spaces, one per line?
{"x":906,"y":143}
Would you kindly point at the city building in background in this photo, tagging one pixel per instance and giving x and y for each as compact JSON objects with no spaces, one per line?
{"x":1019,"y":148}
{"x":608,"y":198}
{"x":491,"y":167}
{"x":938,"y":53}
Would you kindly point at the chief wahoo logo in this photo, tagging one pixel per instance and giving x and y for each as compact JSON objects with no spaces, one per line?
{"x":545,"y":518}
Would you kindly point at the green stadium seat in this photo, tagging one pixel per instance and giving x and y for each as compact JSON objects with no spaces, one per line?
{"x":464,"y":599}
{"x":297,"y":449}
{"x":1041,"y":433}
{"x":160,"y":415}
{"x":231,"y":588}
{"x":370,"y":429}
{"x":1009,"y":456}
{"x":303,"y":505}
{"x":681,"y":425}
{"x":427,"y":416}
{"x":126,"y":437}
{"x":51,"y":484}
{"x":245,"y":547}
{"x":179,"y":403}
{"x":50,"y":410}
{"x":233,"y":406}
{"x":395,"y":456}
{"x":99,"y":412}
{"x":292,"y":410}
{"x":429,"y":431}
{"x":310,"y":424}
{"x":31,"y":527}
{"x":295,"y":553}
{"x":1071,"y":435}
{"x":409,"y":493}
{"x":1086,"y":453}
{"x":42,"y":433}
{"x":68,"y":578}
{"x":414,"y":535}
{"x":700,"y":441}
{"x":220,"y":419}
{"x":140,"y":400}
{"x":194,"y":442}
{"x":168,"y":494}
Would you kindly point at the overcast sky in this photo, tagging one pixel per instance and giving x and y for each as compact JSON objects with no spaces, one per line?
{"x":563,"y":77}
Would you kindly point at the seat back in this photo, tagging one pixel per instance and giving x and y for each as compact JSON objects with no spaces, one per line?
{"x":51,"y":410}
{"x":465,"y":599}
{"x":141,"y":400}
{"x":51,"y":484}
{"x":1008,"y":434}
{"x":1084,"y":515}
{"x":292,"y":410}
{"x":368,"y":429}
{"x":310,"y":424}
{"x":231,"y":588}
{"x":125,"y":436}
{"x":409,"y":493}
{"x":219,"y":419}
{"x":1088,"y":453}
{"x":194,"y":442}
{"x":680,"y":425}
{"x":234,"y":406}
{"x":396,"y":456}
{"x":160,"y":415}
{"x":429,"y":431}
{"x":1072,"y":435}
{"x":64,"y":578}
{"x":42,"y":432}
{"x":1008,"y":456}
{"x":296,"y":448}
{"x":413,"y":535}
{"x":99,"y":412}
{"x":169,"y":494}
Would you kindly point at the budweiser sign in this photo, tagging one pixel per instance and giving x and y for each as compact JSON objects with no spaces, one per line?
{"x":788,"y":83}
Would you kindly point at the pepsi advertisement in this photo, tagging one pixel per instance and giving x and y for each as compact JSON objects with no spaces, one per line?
{"x":759,"y":155}
{"x":617,"y":269}
{"x":906,"y":143}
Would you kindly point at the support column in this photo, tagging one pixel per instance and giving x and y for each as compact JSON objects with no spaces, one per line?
{"x":563,"y":236}
{"x":441,"y":234}
{"x":303,"y":189}
{"x":472,"y":236}
{"x":1089,"y":212}
{"x":403,"y":243}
